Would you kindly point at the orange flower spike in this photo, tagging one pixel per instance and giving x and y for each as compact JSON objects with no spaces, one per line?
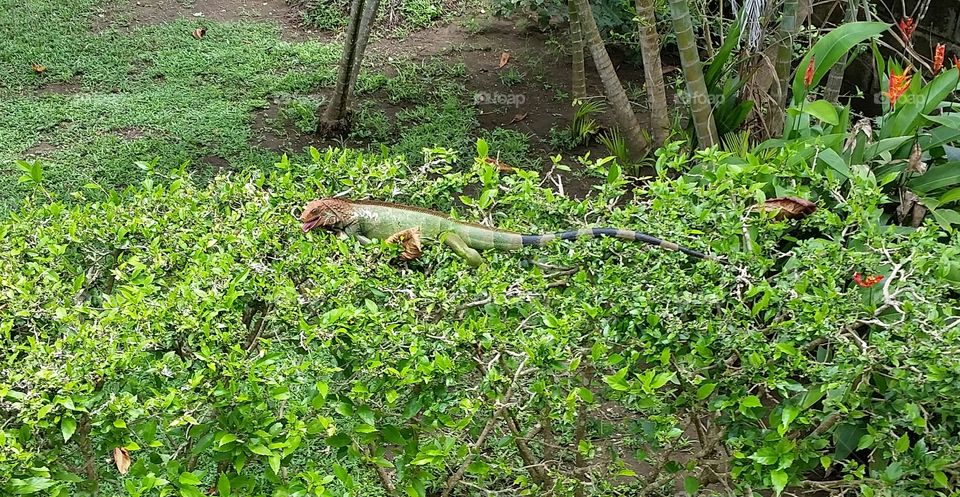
{"x":899,"y":84}
{"x":938,"y":55}
{"x":808,"y":77}
{"x":907,"y":27}
{"x":956,"y":62}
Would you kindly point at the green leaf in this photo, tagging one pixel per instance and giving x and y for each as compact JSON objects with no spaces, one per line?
{"x":941,"y":479}
{"x":68,"y":426}
{"x":822,"y":110}
{"x":750,"y":401}
{"x":259,"y":449}
{"x":188,"y":478}
{"x":705,"y":390}
{"x":778,"y":478}
{"x":339,"y":440}
{"x":902,"y":444}
{"x":835,"y":162}
{"x":942,"y":176}
{"x":951,"y":196}
{"x":691,"y":485}
{"x":223,"y":483}
{"x":274,"y":462}
{"x":828,"y":50}
{"x":909,"y":115}
{"x":30,"y":485}
{"x":343,"y":476}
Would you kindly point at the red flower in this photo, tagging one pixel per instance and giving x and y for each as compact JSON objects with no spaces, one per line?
{"x":899,"y":83}
{"x":867,"y":282}
{"x":907,"y":27}
{"x":938,"y":55}
{"x":808,"y":77}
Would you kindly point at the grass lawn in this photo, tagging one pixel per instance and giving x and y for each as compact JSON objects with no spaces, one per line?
{"x":108,"y":99}
{"x":111,"y":96}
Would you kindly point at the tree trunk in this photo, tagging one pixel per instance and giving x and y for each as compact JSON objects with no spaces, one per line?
{"x":579,"y":83}
{"x":700,"y":106}
{"x":835,"y":78}
{"x":335,"y":119}
{"x":653,"y":71}
{"x":788,"y":28}
{"x":611,"y":83}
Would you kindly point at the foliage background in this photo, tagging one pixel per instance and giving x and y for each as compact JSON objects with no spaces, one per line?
{"x":200,"y":330}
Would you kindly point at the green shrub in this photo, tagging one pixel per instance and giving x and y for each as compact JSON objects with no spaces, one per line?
{"x":201,"y":331}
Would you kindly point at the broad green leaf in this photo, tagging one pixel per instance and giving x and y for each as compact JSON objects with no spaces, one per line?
{"x":829,"y":49}
{"x":188,"y":478}
{"x":30,"y":485}
{"x":822,"y":110}
{"x":837,"y":163}
{"x":779,"y":479}
{"x":937,"y":177}
{"x":260,"y":449}
{"x":909,"y":115}
{"x":902,"y":443}
{"x":951,"y":196}
{"x":705,"y":390}
{"x":691,"y":485}
{"x":223,"y":483}
{"x":68,"y":426}
{"x":750,"y":401}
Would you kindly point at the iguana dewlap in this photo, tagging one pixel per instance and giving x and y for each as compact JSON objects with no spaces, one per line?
{"x":368,"y":220}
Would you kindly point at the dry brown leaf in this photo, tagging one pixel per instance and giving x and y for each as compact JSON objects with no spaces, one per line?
{"x":501,"y":166}
{"x":915,"y":165}
{"x":504,"y":58}
{"x":122,"y":458}
{"x":519,"y":117}
{"x":787,"y":207}
{"x":199,"y":33}
{"x":409,"y":240}
{"x":39,"y":68}
{"x":863,"y":126}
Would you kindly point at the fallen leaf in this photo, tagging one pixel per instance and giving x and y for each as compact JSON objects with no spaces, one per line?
{"x":409,"y":240}
{"x":39,"y":68}
{"x":501,"y":166}
{"x":504,"y":58}
{"x":787,"y":207}
{"x":122,"y":458}
{"x":199,"y":33}
{"x":519,"y":117}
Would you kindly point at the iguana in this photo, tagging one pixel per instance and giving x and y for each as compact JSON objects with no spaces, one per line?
{"x":368,"y":220}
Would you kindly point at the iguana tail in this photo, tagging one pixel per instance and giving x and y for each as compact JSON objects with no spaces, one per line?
{"x":542,"y":239}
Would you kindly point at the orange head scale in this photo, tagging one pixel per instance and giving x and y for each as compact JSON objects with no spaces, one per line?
{"x":327,"y":213}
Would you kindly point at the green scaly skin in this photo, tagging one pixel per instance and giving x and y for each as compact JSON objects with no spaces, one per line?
{"x":369,"y":220}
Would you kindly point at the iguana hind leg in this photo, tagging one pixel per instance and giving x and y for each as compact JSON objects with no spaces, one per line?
{"x":461,"y":248}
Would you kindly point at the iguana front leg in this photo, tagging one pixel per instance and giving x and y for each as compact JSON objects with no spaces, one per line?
{"x":461,"y":248}
{"x":353,"y":230}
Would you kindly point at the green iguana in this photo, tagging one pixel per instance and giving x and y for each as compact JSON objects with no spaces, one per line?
{"x":368,"y":220}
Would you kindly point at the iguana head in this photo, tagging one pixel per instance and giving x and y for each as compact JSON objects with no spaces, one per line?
{"x":328,"y":213}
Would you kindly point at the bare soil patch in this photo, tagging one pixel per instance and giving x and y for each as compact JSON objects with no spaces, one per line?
{"x":42,"y":149}
{"x":133,"y":13}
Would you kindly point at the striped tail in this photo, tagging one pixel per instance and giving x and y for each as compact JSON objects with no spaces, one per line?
{"x":536,"y":240}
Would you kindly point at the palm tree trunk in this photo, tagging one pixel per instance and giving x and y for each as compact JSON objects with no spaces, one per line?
{"x":652,"y":71}
{"x":788,"y":28}
{"x":611,"y":83}
{"x":835,"y":78}
{"x":700,"y":106}
{"x":579,"y":83}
